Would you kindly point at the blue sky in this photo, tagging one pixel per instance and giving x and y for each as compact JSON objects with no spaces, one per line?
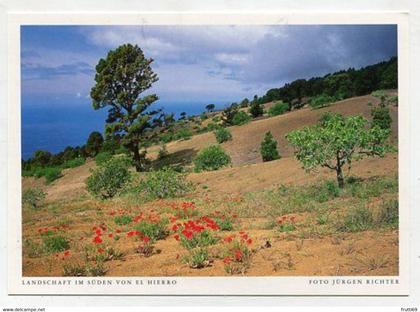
{"x":196,"y":64}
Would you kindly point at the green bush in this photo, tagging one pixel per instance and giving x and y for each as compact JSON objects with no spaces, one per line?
{"x":32,"y":197}
{"x":73,"y":163}
{"x":381,"y":117}
{"x":320,"y":101}
{"x":240,"y":118}
{"x":102,"y":158}
{"x":278,"y":109}
{"x":211,"y":158}
{"x":154,"y":230}
{"x":55,"y":243}
{"x":256,"y":109}
{"x":268,"y":148}
{"x":51,"y":174}
{"x":109,"y":179}
{"x":165,"y":183}
{"x":183,"y":134}
{"x":357,"y":219}
{"x":222,"y":135}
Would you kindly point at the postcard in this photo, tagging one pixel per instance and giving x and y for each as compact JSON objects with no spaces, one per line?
{"x":208,"y":154}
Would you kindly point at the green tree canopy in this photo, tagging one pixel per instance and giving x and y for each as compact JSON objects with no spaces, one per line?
{"x":94,"y":143}
{"x":337,"y":142}
{"x":210,"y":107}
{"x":120,"y":79}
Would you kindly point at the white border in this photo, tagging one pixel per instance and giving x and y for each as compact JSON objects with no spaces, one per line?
{"x":200,"y":285}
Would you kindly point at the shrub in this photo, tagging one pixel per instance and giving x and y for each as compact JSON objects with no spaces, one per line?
{"x":211,"y":158}
{"x":183,"y":134}
{"x":198,"y":258}
{"x":163,"y":152}
{"x":240,"y":118}
{"x":32,"y":197}
{"x":51,"y":174}
{"x":278,"y":109}
{"x":387,"y":214}
{"x":200,"y":239}
{"x":102,"y":158}
{"x":165,"y":183}
{"x":73,"y":163}
{"x":381,"y":117}
{"x":109,"y":179}
{"x":256,"y":109}
{"x":123,"y":220}
{"x":222,"y":135}
{"x":320,"y":101}
{"x":225,"y":223}
{"x":358,"y":219}
{"x":55,"y":243}
{"x":74,"y":270}
{"x":154,"y":230}
{"x":268,"y":148}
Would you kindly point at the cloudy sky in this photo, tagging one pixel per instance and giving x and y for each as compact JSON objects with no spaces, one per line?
{"x":203,"y":64}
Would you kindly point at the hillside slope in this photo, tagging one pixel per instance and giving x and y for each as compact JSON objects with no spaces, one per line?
{"x":248,"y":172}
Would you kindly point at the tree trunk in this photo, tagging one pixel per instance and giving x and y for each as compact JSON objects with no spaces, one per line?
{"x":340,"y":178}
{"x":137,"y":158}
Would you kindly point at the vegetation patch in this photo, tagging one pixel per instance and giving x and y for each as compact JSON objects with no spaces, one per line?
{"x":211,"y":158}
{"x":165,"y":183}
{"x":222,"y":135}
{"x":278,"y":108}
{"x":109,"y":179}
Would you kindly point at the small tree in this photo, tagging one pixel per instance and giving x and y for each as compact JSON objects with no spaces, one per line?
{"x":381,"y":116}
{"x":228,"y":114}
{"x":210,"y":107}
{"x":256,"y":109}
{"x":222,"y":135}
{"x":94,"y":143}
{"x":337,"y":142}
{"x":269,"y":148}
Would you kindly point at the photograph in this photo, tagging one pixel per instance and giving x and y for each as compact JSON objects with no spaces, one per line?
{"x":209,"y":150}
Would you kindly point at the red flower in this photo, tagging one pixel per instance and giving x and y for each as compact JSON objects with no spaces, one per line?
{"x":172,"y":219}
{"x":112,"y":212}
{"x":227,"y":260}
{"x":249,"y":241}
{"x":97,"y":240}
{"x":228,"y":239}
{"x":146,"y":239}
{"x":188,"y":234}
{"x":101,"y":250}
{"x":279,"y":221}
{"x":175,"y":228}
{"x":98,"y":232}
{"x":118,"y":230}
{"x":176,"y":236}
{"x":132,"y":233}
{"x":67,"y":253}
{"x":238,"y":255}
{"x":110,"y":235}
{"x":292,"y":219}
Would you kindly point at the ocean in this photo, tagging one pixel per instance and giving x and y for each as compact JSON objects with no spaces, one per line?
{"x":53,"y":127}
